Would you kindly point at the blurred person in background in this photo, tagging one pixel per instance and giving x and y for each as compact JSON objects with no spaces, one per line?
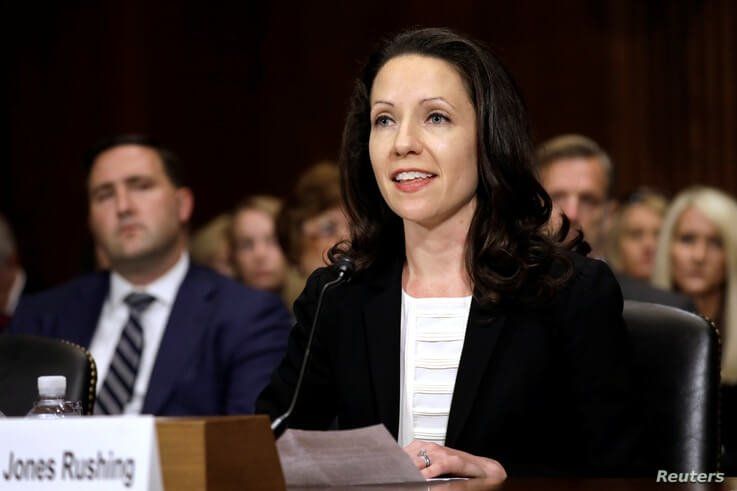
{"x":633,"y":238}
{"x":258,"y":259}
{"x":12,"y":275}
{"x":210,"y":245}
{"x":578,"y":175}
{"x":697,"y":255}
{"x":169,"y":337}
{"x":633,"y":242}
{"x":312,"y":220}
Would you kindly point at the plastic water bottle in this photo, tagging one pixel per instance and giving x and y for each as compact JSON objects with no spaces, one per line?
{"x":72,"y":408}
{"x":50,"y":403}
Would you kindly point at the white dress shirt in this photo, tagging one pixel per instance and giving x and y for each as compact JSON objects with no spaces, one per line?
{"x":433,"y":330}
{"x":115,"y":315}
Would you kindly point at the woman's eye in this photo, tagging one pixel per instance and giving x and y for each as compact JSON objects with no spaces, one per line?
{"x":437,"y":118}
{"x":244,"y":245}
{"x":382,"y":120}
{"x":716,"y":242}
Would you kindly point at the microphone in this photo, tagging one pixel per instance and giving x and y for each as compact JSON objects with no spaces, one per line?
{"x":345,"y":268}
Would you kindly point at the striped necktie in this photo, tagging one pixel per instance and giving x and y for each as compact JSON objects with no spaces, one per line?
{"x":117,"y":389}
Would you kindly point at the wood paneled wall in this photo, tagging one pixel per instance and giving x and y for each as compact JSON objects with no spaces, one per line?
{"x":250,"y":95}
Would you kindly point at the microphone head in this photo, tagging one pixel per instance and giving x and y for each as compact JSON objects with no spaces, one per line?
{"x":345,"y":265}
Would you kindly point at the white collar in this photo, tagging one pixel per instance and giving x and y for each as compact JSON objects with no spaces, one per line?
{"x":164,"y":289}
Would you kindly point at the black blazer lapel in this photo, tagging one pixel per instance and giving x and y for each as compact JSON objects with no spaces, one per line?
{"x":382,"y":311}
{"x":482,"y":333}
{"x":188,"y":318}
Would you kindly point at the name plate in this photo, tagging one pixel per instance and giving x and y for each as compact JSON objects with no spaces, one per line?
{"x":83,"y":453}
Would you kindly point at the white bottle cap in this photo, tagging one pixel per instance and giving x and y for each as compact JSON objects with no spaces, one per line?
{"x":52,"y":386}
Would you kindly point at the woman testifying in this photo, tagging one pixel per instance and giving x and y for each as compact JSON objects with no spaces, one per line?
{"x":481,"y":343}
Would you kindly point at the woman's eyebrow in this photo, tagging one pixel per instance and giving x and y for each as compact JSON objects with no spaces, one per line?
{"x":432,"y":99}
{"x":383,"y":102}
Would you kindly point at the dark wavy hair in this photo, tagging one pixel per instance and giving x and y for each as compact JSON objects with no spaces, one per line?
{"x":510,"y":251}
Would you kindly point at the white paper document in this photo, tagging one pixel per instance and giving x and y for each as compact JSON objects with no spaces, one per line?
{"x":344,"y":458}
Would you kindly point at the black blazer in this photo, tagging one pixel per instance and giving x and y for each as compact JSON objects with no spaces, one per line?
{"x":544,"y":391}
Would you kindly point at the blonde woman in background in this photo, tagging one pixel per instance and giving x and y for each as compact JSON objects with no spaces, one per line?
{"x":697,"y":255}
{"x":210,"y":245}
{"x":258,"y":258}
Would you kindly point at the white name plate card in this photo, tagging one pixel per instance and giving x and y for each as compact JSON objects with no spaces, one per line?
{"x":82,"y":454}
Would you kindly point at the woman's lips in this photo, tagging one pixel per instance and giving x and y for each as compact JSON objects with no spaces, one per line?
{"x":413,"y":185}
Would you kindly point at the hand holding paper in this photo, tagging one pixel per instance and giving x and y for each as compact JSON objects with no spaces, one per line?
{"x":344,"y":458}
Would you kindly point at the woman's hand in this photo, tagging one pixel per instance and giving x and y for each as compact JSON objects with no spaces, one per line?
{"x":444,"y":460}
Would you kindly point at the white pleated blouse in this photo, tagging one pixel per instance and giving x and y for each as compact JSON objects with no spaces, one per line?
{"x":432,"y":336}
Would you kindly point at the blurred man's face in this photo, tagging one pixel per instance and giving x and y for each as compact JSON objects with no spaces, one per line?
{"x":137,"y":215}
{"x":578,"y":187}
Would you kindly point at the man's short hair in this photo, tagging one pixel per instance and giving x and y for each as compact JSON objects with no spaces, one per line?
{"x":572,"y":147}
{"x":172,"y":165}
{"x":7,"y":240}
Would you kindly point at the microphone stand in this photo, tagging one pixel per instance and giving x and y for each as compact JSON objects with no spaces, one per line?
{"x":345,"y":267}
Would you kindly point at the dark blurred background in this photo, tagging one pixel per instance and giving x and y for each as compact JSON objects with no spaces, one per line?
{"x":251,"y":94}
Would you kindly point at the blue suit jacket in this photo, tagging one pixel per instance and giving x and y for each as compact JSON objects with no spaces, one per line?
{"x":221,"y":343}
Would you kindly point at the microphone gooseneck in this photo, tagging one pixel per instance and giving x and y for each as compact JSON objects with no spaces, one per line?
{"x":345,"y":267}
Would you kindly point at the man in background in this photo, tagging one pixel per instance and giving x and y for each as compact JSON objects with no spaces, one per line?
{"x":12,"y":276}
{"x":169,"y":337}
{"x":579,"y":176}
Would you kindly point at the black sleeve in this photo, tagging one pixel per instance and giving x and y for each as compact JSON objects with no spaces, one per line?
{"x":596,"y":354}
{"x":316,"y":406}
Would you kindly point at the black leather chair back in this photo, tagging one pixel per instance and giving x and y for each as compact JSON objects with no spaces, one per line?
{"x":25,"y":358}
{"x":676,"y":358}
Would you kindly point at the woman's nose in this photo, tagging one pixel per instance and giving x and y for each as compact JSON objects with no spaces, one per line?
{"x":406,"y":140}
{"x":698,"y":252}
